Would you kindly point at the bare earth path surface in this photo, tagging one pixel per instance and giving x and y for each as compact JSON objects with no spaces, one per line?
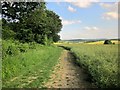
{"x":68,"y":75}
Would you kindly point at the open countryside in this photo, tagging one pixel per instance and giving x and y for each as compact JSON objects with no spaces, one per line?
{"x":38,"y":50}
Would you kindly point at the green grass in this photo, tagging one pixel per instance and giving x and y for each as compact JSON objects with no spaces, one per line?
{"x":0,"y":64}
{"x":31,"y":68}
{"x":101,"y":61}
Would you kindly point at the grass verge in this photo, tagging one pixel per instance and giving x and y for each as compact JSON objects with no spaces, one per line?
{"x":31,"y":68}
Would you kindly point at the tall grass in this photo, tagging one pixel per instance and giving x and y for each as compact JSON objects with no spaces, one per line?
{"x":101,"y":61}
{"x":0,"y":63}
{"x":37,"y":62}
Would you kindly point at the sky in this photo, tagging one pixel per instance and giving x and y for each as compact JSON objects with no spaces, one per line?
{"x":87,"y":19}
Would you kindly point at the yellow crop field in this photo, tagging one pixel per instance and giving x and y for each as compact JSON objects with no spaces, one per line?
{"x":102,"y":42}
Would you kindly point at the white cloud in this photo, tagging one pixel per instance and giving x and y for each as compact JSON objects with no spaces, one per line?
{"x":95,"y":28}
{"x":87,"y":28}
{"x":112,"y":10}
{"x":69,"y":22}
{"x":89,"y":33}
{"x":58,"y":2}
{"x":71,"y":9}
{"x":81,"y":3}
{"x":105,"y":5}
{"x":110,"y":15}
{"x":91,"y":28}
{"x":110,"y":6}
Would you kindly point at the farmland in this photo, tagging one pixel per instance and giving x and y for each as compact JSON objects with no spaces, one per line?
{"x":32,"y":64}
{"x":42,"y":47}
{"x":101,"y":61}
{"x":101,"y":42}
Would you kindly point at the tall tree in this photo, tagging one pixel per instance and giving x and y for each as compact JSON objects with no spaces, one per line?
{"x":17,"y":10}
{"x":31,"y":21}
{"x":54,"y":25}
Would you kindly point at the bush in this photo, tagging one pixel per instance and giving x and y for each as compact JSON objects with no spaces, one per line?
{"x":8,"y":33}
{"x":32,"y":45}
{"x":10,"y":47}
{"x":113,"y":43}
{"x":12,"y":50}
{"x":107,"y":42}
{"x":23,"y":47}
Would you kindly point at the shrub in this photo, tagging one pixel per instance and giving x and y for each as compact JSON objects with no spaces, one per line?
{"x":12,"y":50}
{"x":113,"y":42}
{"x":107,"y":42}
{"x":10,"y":47}
{"x":8,"y":33}
{"x":23,"y":47}
{"x":32,"y":45}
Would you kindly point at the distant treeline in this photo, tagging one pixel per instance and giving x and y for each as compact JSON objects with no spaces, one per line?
{"x":30,"y":22}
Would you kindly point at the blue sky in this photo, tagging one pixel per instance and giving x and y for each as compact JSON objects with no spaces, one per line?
{"x":87,"y":20}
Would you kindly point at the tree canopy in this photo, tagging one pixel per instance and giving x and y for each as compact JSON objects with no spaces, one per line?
{"x":30,"y":22}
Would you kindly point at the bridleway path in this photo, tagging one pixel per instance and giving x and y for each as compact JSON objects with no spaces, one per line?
{"x":68,"y":75}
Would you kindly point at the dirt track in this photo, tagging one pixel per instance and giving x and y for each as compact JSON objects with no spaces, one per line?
{"x":68,"y":75}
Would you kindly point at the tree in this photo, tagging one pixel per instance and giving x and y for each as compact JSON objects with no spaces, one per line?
{"x":31,"y":21}
{"x":17,"y":17}
{"x":25,"y":35}
{"x":17,"y":10}
{"x":56,"y":38}
{"x":107,"y":42}
{"x":54,"y":25}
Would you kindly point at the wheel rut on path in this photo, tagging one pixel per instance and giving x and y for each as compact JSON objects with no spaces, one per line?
{"x":67,"y":74}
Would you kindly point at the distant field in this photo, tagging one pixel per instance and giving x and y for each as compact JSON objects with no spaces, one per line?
{"x":101,"y":61}
{"x":90,"y":42}
{"x":102,"y":42}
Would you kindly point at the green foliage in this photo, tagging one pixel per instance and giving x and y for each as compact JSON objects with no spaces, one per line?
{"x":9,"y":48}
{"x":13,"y":48}
{"x":23,"y":47}
{"x":47,"y":41}
{"x":25,"y":24}
{"x":107,"y":42}
{"x":56,"y":38}
{"x":18,"y":10}
{"x":113,"y":43}
{"x":31,"y":22}
{"x":7,"y":33}
{"x":32,"y":45}
{"x":25,"y":35}
{"x":101,"y":61}
{"x":53,"y":25}
{"x":37,"y":62}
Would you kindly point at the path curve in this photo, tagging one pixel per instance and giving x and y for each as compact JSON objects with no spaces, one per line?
{"x":68,"y":75}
